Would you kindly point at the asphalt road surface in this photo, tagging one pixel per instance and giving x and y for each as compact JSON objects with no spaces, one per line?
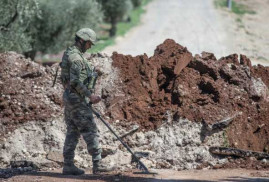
{"x":195,"y":24}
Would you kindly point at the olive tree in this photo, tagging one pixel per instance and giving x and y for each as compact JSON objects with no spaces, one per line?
{"x":115,"y":11}
{"x":61,"y":19}
{"x":47,"y":26}
{"x":17,"y":24}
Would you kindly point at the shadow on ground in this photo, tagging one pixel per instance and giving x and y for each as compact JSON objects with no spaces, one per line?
{"x":125,"y":178}
{"x":243,"y":179}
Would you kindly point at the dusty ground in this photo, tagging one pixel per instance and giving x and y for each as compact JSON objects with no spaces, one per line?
{"x":249,"y":33}
{"x":163,"y":175}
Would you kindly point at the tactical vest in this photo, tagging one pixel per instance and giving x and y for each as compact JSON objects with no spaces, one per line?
{"x":87,"y":75}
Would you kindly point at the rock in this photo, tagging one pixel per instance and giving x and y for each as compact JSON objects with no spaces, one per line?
{"x":56,"y":156}
{"x":108,"y":150}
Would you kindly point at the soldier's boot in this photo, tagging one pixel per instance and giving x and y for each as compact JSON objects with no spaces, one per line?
{"x":100,"y":167}
{"x":71,"y":169}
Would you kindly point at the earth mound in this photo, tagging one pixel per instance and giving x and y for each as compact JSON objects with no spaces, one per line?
{"x":176,"y":99}
{"x":152,"y":90}
{"x":26,"y":92}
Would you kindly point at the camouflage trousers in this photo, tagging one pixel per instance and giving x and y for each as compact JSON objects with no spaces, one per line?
{"x":79,"y":121}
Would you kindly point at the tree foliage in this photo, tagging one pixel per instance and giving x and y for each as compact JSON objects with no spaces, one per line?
{"x":28,"y":26}
{"x":17,"y":24}
{"x":61,"y":19}
{"x":114,"y":11}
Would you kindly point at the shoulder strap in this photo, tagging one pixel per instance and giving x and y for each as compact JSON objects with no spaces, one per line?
{"x":56,"y":74}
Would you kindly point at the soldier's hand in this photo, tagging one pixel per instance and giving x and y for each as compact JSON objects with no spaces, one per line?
{"x":95,"y":99}
{"x":97,"y":69}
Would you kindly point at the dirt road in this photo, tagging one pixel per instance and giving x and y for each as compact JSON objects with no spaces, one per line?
{"x":199,"y":26}
{"x":192,"y":23}
{"x":163,"y":175}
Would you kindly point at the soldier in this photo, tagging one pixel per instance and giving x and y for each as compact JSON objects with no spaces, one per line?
{"x":77,"y":78}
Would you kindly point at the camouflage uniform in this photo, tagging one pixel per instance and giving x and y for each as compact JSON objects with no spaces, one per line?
{"x":78,"y":114}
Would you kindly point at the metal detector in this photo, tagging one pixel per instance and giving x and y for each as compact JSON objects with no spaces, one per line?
{"x":141,"y":166}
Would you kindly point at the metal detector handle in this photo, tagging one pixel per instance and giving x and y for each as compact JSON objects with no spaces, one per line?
{"x":124,"y":144}
{"x":55,"y":76}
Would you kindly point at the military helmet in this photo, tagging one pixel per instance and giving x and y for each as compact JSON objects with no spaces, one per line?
{"x":87,"y":34}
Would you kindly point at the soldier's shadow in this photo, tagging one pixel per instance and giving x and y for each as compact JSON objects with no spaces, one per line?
{"x":128,"y":177}
{"x":107,"y":177}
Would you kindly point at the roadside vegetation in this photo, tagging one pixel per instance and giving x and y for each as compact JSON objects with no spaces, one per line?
{"x":48,"y":27}
{"x":237,"y":7}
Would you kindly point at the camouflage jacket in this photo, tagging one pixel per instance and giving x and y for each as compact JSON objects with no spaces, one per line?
{"x":76,"y":71}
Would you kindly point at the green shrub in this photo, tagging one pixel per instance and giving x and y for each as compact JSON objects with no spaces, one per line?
{"x":241,"y":9}
{"x":237,"y":7}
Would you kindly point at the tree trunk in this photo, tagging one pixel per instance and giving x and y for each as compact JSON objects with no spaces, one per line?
{"x":113,"y":30}
{"x":30,"y":54}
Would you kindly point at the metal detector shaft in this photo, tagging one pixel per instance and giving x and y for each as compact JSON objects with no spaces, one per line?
{"x":124,"y":144}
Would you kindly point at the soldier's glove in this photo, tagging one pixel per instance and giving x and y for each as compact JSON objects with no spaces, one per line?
{"x":94,"y":99}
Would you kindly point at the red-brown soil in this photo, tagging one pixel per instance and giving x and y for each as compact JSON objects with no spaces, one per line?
{"x":26,"y":92}
{"x":207,"y":90}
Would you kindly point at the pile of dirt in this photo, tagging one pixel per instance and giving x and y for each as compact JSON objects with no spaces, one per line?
{"x":176,"y":107}
{"x":26,"y":92}
{"x":32,"y":126}
{"x":207,"y":90}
